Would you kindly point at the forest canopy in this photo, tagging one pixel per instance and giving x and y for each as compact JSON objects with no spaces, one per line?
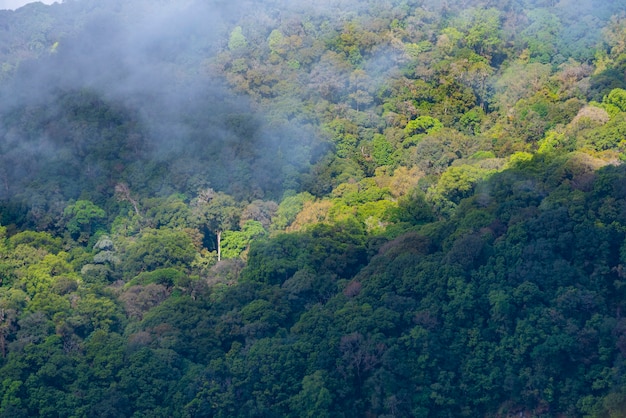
{"x":342,"y":208}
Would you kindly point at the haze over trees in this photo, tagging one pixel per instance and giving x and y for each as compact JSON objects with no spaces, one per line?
{"x":335,"y":209}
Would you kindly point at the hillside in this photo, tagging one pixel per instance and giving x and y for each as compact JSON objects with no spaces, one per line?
{"x":336,"y":209}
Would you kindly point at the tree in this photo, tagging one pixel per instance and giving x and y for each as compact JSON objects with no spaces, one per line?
{"x":541,"y":35}
{"x":423,"y":125}
{"x":615,"y":35}
{"x":158,"y":248}
{"x":519,"y":81}
{"x":261,"y":211}
{"x":455,"y":184}
{"x":122,"y":191}
{"x":237,"y":40}
{"x":314,"y":400}
{"x":617,"y":98}
{"x":360,"y":82}
{"x":83,"y":219}
{"x":288,"y":210}
{"x":382,"y":150}
{"x":276,"y":42}
{"x":216,"y":212}
{"x":236,"y":242}
{"x":482,"y":30}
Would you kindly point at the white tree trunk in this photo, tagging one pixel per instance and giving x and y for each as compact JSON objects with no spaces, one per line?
{"x":219,"y":245}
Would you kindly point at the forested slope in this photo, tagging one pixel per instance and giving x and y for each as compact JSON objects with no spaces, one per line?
{"x":343,"y":208}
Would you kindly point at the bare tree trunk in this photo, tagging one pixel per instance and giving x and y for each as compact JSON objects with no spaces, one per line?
{"x":219,"y":245}
{"x":123,"y":193}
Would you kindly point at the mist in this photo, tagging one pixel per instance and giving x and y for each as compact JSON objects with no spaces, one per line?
{"x":15,"y":4}
{"x":156,"y":73}
{"x":148,"y":65}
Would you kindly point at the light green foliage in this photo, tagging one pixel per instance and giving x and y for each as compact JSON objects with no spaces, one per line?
{"x":21,"y":257}
{"x":237,"y":40}
{"x":203,"y":262}
{"x":98,"y":313}
{"x":42,"y":240}
{"x":413,"y":50}
{"x":449,"y":39}
{"x":617,"y":98}
{"x":382,"y":150}
{"x":374,"y":214}
{"x":49,"y":304}
{"x":519,"y":159}
{"x":364,"y":191}
{"x":455,"y":184}
{"x":480,"y":155}
{"x":364,"y":200}
{"x":288,"y":209}
{"x":234,"y":243}
{"x":276,"y":42}
{"x":39,"y":277}
{"x":610,"y":136}
{"x":482,"y":30}
{"x":423,"y":125}
{"x":552,"y":141}
{"x":84,"y":217}
{"x":343,"y":133}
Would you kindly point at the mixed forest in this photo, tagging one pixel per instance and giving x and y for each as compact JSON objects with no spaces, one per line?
{"x":334,"y":208}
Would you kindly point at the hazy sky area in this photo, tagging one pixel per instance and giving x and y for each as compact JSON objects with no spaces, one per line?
{"x":14,"y":4}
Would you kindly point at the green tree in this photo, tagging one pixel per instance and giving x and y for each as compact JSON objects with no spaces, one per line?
{"x":315,"y":399}
{"x":237,"y":40}
{"x":276,"y":42}
{"x":455,"y":184}
{"x":617,"y":98}
{"x":382,"y":150}
{"x":423,"y":125}
{"x":84,"y":218}
{"x":235,"y":243}
{"x":541,"y":35}
{"x":482,"y":30}
{"x":360,"y":83}
{"x":288,"y":210}
{"x":158,"y":248}
{"x":216,"y":212}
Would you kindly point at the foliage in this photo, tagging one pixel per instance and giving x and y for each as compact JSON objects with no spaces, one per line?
{"x":236,"y":242}
{"x":83,"y":218}
{"x":158,"y":248}
{"x":345,"y":209}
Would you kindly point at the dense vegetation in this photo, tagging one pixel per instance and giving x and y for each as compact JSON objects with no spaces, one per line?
{"x":337,"y":209}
